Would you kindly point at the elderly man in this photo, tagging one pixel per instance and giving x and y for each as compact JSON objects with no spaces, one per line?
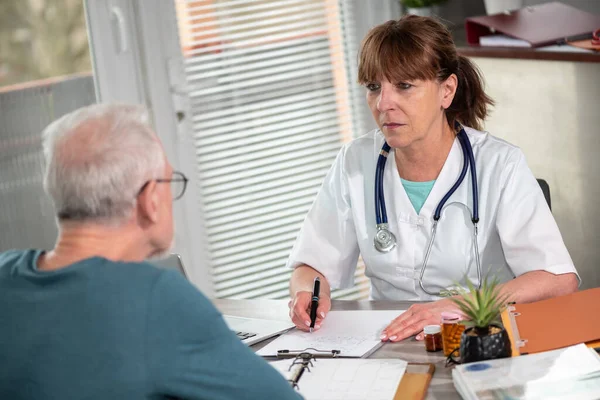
{"x":90,"y":319}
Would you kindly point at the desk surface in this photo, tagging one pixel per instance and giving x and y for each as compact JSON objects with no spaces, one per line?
{"x":441,"y":386}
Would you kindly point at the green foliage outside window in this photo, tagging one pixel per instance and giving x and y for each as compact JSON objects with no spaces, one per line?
{"x":42,"y":39}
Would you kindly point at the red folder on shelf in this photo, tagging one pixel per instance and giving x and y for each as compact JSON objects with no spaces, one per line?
{"x":539,"y":25}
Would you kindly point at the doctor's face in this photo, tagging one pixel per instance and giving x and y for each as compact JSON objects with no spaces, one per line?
{"x":406,"y":111}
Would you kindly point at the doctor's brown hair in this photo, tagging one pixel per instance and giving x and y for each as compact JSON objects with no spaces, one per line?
{"x":422,"y":48}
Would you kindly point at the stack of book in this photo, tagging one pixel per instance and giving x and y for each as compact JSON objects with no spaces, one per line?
{"x":568,"y":373}
{"x":553,"y":354}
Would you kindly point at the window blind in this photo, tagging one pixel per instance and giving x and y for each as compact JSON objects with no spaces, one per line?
{"x":272,"y":102}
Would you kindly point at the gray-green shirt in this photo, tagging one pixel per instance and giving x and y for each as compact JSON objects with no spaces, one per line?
{"x":104,"y":330}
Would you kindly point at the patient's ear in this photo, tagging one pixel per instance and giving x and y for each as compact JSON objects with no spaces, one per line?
{"x":147,"y":202}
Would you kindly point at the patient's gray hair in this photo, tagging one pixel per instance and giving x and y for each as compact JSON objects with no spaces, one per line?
{"x":98,"y":158}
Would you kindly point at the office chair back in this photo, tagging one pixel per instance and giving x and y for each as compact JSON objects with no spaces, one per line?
{"x":172,"y":261}
{"x":546,"y":190}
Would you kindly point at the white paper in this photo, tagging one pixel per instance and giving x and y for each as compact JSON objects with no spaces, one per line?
{"x":502,"y":41}
{"x":507,"y":41}
{"x":572,"y":372}
{"x":565,"y":48}
{"x":347,"y":379}
{"x":354,"y":333}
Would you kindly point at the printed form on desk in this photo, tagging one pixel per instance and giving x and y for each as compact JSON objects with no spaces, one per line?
{"x":346,"y":379}
{"x":353,"y":333}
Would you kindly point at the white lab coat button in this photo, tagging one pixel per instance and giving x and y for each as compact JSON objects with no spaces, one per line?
{"x":403,"y":272}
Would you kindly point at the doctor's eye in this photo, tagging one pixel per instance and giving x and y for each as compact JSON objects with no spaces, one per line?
{"x":372,"y":87}
{"x":403,"y":85}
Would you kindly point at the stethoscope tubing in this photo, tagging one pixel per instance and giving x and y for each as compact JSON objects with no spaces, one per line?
{"x":469,"y":159}
{"x":468,"y":151}
{"x":380,"y":209}
{"x":381,"y":213}
{"x":438,"y":210}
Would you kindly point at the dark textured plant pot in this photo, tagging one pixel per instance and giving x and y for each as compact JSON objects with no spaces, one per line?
{"x":488,"y":347}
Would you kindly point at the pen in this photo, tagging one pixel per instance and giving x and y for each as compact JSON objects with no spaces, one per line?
{"x":314,"y":304}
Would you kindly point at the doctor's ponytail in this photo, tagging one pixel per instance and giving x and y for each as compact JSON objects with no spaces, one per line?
{"x":470,"y":104}
{"x":421,"y":48}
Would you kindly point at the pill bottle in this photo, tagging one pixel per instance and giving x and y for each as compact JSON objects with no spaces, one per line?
{"x":452,"y":330}
{"x":433,"y":337}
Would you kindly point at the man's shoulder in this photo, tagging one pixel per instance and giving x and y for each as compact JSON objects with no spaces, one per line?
{"x":12,"y":255}
{"x":102,"y":269}
{"x":171,"y":289}
{"x":166,"y":294}
{"x":145,"y":278}
{"x":16,"y":258}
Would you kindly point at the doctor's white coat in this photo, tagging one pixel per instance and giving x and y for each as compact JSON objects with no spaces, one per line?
{"x":517,"y":232}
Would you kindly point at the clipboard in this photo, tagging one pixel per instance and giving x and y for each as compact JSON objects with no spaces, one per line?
{"x":413,"y":384}
{"x":554,"y":323}
{"x":539,"y":25}
{"x":415,"y":381}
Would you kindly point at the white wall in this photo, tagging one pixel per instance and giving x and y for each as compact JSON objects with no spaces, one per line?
{"x":591,"y":6}
{"x":549,"y":109}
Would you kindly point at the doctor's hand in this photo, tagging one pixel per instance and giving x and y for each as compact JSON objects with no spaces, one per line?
{"x":300,"y":310}
{"x":412,"y":321}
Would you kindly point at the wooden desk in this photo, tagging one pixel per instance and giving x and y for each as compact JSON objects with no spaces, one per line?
{"x":441,"y":386}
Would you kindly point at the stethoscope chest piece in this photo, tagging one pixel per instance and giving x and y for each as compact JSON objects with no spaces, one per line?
{"x":384,"y":241}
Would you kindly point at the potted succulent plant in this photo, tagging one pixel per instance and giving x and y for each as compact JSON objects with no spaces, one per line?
{"x":485,"y":338}
{"x":423,"y":8}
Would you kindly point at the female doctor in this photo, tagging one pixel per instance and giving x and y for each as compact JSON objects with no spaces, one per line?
{"x":429,"y":105}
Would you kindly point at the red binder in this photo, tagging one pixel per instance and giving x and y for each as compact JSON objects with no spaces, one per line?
{"x":539,"y":25}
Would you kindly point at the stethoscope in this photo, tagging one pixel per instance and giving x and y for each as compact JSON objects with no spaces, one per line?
{"x":385,"y":241}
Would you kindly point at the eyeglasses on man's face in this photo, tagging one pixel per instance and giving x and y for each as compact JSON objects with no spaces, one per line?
{"x":178,"y":183}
